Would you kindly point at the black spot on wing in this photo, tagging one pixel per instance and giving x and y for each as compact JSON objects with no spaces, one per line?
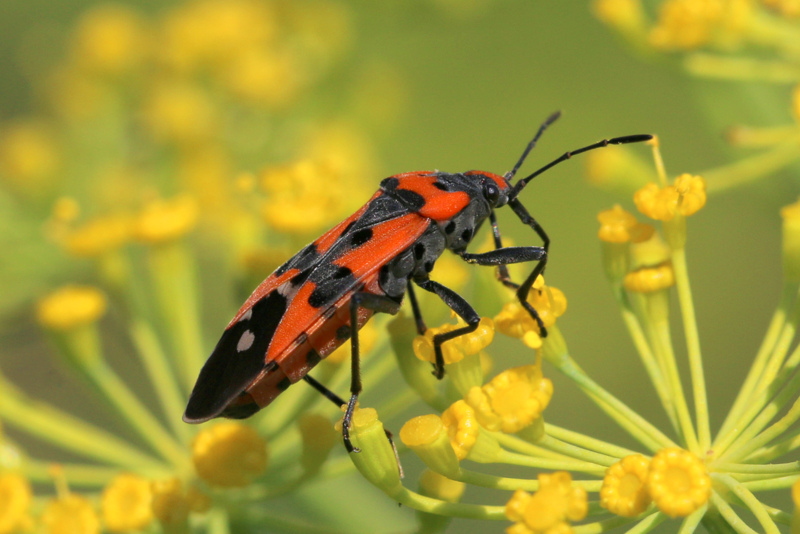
{"x":390,"y":184}
{"x":348,"y":227}
{"x":312,"y":358}
{"x":439,"y":185}
{"x":301,"y":261}
{"x":413,"y":200}
{"x":284,"y":384}
{"x":234,"y":363}
{"x":300,"y":277}
{"x":361,"y":236}
{"x":320,"y":297}
{"x":342,"y":272}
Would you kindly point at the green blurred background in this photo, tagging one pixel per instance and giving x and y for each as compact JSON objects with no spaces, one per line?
{"x":466,"y":86}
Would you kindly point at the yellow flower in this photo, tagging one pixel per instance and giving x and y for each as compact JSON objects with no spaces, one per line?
{"x":625,"y":16}
{"x":127,"y":503}
{"x":71,"y":307}
{"x":29,"y":155}
{"x":70,"y":514}
{"x":549,"y":509}
{"x":650,"y":279}
{"x":99,"y":235}
{"x":620,"y":226}
{"x":110,"y":39}
{"x":515,"y":321}
{"x":181,"y":113}
{"x":787,"y":8}
{"x":264,"y":77}
{"x":512,"y":400}
{"x":229,"y":454}
{"x":430,"y":439}
{"x":678,"y":482}
{"x":15,"y":501}
{"x":456,"y":349}
{"x":685,"y":197}
{"x":691,"y":24}
{"x":462,"y":427}
{"x":166,"y":220}
{"x":318,"y":439}
{"x":624,"y":490}
{"x":171,"y":506}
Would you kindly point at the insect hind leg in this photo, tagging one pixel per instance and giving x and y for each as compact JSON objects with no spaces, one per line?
{"x":376,"y":303}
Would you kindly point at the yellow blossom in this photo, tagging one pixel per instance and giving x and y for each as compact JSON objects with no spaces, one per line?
{"x":624,"y":490}
{"x":170,"y":504}
{"x":229,"y":454}
{"x":678,"y":482}
{"x":98,"y":236}
{"x":620,"y":226}
{"x":430,"y":439}
{"x":29,"y":154}
{"x":66,"y":209}
{"x":181,"y":113}
{"x":512,"y":400}
{"x":787,"y":8}
{"x":691,"y":24}
{"x":791,"y":241}
{"x":70,"y":514}
{"x":70,"y":307}
{"x":685,"y":197}
{"x":455,"y":350}
{"x":127,"y":503}
{"x":650,"y":279}
{"x":110,"y":39}
{"x":549,"y":509}
{"x":15,"y":502}
{"x":263,"y":76}
{"x":626,"y":16}
{"x":166,"y":220}
{"x":515,"y":321}
{"x":462,"y":427}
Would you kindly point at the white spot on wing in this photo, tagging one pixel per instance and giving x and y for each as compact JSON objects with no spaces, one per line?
{"x":246,"y":341}
{"x":246,"y":316}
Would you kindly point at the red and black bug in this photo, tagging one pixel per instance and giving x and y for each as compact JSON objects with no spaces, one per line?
{"x":321,"y":297}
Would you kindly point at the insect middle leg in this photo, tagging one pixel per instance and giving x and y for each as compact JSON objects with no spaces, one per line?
{"x":503,"y":256}
{"x":455,"y":302}
{"x":375,"y":303}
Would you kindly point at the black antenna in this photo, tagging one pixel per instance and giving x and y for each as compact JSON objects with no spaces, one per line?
{"x":567,"y":155}
{"x":550,"y":120}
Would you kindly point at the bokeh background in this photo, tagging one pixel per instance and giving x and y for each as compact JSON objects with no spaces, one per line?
{"x":413,"y":85}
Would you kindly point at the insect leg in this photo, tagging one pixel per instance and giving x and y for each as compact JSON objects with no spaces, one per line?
{"x":328,"y":394}
{"x":412,"y":297}
{"x":455,"y":302}
{"x":376,"y":303}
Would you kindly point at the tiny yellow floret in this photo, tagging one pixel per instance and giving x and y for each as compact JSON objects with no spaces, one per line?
{"x":229,"y":454}
{"x":70,"y":514}
{"x":71,"y":307}
{"x":650,"y":279}
{"x":678,"y":482}
{"x":549,"y":510}
{"x":166,"y":220}
{"x":685,"y":197}
{"x":15,"y":502}
{"x":99,"y":235}
{"x":127,"y":503}
{"x":455,"y":350}
{"x":618,"y":225}
{"x":170,"y":503}
{"x":515,"y":321}
{"x":462,"y":427}
{"x":624,"y":490}
{"x":512,"y":400}
{"x":110,"y":39}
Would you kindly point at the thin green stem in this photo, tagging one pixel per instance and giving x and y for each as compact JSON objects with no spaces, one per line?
{"x":689,"y":525}
{"x":587,"y":442}
{"x":511,"y":458}
{"x":749,"y":500}
{"x":435,"y":506}
{"x":772,"y":432}
{"x":771,"y":483}
{"x":170,"y":395}
{"x":512,"y":484}
{"x":694,"y":354}
{"x":753,"y":380}
{"x":70,"y":433}
{"x":730,"y":516}
{"x":647,"y":524}
{"x":79,"y":475}
{"x":602,"y":526}
{"x":637,"y":426}
{"x":573,"y":451}
{"x":783,"y":469}
{"x":516,"y":444}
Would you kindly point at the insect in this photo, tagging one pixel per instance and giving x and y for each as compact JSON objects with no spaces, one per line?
{"x":366,"y":264}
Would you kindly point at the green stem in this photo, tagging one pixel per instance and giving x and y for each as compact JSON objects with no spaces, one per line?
{"x":772,"y":483}
{"x":752,"y":168}
{"x":729,"y":515}
{"x":579,"y":453}
{"x":750,"y":501}
{"x":782,"y":469}
{"x":512,"y":458}
{"x":633,"y":423}
{"x":689,"y":525}
{"x":435,"y":506}
{"x":741,"y":68}
{"x":648,"y":523}
{"x":753,"y":380}
{"x":512,"y":484}
{"x":161,"y":375}
{"x":602,"y":526}
{"x":116,"y":392}
{"x":70,"y":433}
{"x":587,"y":442}
{"x":695,"y":356}
{"x":79,"y":475}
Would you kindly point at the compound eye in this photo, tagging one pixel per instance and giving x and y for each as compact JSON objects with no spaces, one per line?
{"x":491,"y":192}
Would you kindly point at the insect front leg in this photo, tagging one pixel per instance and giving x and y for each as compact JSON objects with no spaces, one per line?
{"x":412,"y":297}
{"x":376,"y":303}
{"x":455,"y":302}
